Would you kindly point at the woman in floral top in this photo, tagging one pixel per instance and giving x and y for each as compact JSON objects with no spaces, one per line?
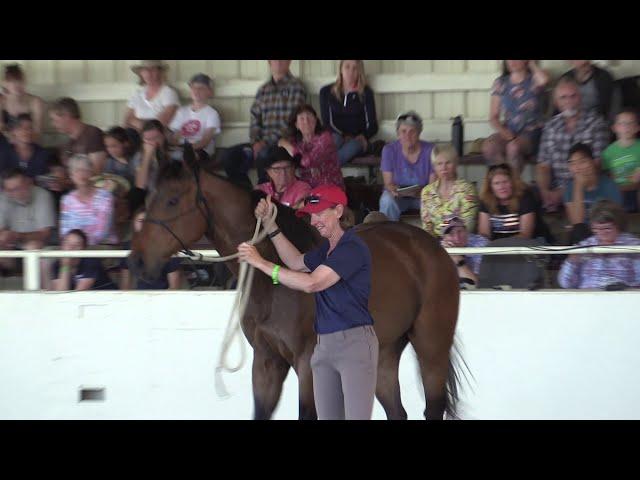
{"x":608,"y":223}
{"x":319,"y":163}
{"x":516,"y":94}
{"x":449,"y":196}
{"x":87,"y":208}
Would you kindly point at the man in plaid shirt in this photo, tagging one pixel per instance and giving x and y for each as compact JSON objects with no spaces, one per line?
{"x":275,"y":101}
{"x":572,"y":125}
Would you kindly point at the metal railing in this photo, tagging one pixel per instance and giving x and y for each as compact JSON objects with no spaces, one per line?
{"x":31,"y":258}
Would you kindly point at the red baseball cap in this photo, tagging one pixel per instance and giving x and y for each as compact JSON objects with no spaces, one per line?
{"x":321,"y":198}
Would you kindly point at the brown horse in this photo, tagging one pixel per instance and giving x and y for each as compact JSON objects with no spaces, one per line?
{"x":414,"y":294}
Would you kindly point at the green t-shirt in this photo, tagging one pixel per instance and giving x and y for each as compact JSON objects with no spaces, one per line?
{"x":621,"y":161}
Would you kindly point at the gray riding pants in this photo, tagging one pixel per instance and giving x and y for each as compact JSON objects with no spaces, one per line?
{"x":345,"y":368}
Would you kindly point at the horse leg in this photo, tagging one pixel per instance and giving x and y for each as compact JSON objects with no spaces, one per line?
{"x":432,"y":351}
{"x":268,"y":374}
{"x":307,"y":406}
{"x":388,"y":385}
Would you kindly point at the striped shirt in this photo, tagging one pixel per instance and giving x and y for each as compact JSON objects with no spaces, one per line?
{"x":505,"y":223}
{"x":598,"y":271}
{"x":556,"y":141}
{"x":94,"y":218}
{"x":274,"y":104}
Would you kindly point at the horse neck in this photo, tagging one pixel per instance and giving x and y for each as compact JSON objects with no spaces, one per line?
{"x":233,"y":221}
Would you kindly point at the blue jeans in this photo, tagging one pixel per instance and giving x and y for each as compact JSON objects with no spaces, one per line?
{"x":393,"y":207}
{"x":347,"y":150}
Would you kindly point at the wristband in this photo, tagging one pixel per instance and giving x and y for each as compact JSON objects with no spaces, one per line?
{"x":65,"y":268}
{"x":273,"y":234}
{"x":274,"y":274}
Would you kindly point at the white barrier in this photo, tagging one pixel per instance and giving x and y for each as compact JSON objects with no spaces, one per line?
{"x":151,"y":355}
{"x":32,"y":265}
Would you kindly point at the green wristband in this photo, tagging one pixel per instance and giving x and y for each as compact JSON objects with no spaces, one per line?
{"x":274,"y":274}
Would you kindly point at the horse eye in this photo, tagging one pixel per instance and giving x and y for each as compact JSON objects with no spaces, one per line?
{"x":172,"y":202}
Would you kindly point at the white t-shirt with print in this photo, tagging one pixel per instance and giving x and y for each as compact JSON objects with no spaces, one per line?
{"x":150,"y":109}
{"x":192,"y":125}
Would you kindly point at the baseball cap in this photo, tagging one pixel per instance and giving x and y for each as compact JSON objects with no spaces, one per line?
{"x":450,"y":223}
{"x":321,"y":198}
{"x":201,"y":78}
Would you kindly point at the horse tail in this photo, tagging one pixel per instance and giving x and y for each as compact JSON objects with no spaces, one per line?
{"x":457,"y":366}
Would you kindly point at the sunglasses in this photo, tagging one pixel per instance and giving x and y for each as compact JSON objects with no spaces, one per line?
{"x":409,"y":116}
{"x":500,"y":166}
{"x":315,"y":199}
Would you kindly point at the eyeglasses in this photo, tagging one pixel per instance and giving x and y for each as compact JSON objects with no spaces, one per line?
{"x":604,"y":229}
{"x":280,"y":169}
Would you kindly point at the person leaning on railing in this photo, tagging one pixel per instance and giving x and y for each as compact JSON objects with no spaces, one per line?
{"x":79,"y":273}
{"x":608,"y":224}
{"x":448,"y":195}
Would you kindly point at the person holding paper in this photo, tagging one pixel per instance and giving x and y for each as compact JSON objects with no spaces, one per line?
{"x":405,"y":163}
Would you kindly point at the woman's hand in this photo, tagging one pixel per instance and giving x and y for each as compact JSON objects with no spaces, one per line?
{"x":148,"y":150}
{"x":264,"y":209}
{"x":249,"y":253}
{"x":392,"y":188}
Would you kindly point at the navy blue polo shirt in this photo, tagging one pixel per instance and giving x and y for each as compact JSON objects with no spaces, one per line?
{"x":345,"y":304}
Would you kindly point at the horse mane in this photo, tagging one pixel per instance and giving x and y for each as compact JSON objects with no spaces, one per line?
{"x":298,"y":231}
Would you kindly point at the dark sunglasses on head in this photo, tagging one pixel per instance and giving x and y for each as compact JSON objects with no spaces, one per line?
{"x":312,"y":199}
{"x":501,"y":166}
{"x":408,"y":116}
{"x":315,"y":199}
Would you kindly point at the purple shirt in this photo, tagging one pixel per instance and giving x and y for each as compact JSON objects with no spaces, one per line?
{"x":404,"y":173}
{"x":598,"y":271}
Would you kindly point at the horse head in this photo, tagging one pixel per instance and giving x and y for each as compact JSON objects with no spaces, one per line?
{"x":176,"y":216}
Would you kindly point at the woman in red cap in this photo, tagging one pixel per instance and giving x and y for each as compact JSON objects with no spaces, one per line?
{"x":345,"y":360}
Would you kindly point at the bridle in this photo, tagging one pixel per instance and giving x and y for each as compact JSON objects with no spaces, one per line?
{"x":201,"y":205}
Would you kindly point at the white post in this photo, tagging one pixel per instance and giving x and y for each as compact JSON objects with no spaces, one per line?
{"x":31,"y":264}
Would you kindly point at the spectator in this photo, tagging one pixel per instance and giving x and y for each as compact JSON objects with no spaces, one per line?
{"x":507,"y":206}
{"x":608,"y":223}
{"x":87,"y":208}
{"x":456,"y":235}
{"x":622,"y":158}
{"x":516,"y":94}
{"x":319,"y":157}
{"x":16,"y":101}
{"x":448,"y":195}
{"x":405,"y":163}
{"x":283,"y":185}
{"x":155,"y":154}
{"x":586,"y":187}
{"x":197,"y":123}
{"x":27,"y":215}
{"x":84,"y":139}
{"x":79,"y":273}
{"x":155,"y":101}
{"x":597,"y":88}
{"x":23,"y":152}
{"x":123,"y":158}
{"x":274,"y":103}
{"x":572,"y":125}
{"x":170,"y":276}
{"x":348,"y":108}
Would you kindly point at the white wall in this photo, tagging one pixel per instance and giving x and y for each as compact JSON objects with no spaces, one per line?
{"x":534,"y":355}
{"x":437,"y":89}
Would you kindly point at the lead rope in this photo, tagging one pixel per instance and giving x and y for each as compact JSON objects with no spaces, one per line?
{"x":243,"y":293}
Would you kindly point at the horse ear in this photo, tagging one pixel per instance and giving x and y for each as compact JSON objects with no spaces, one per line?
{"x":189,"y":155}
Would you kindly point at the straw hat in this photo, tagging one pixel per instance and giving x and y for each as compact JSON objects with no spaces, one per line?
{"x":149,"y":64}
{"x":116,"y":184}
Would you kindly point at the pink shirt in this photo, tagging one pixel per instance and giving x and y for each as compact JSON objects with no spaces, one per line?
{"x":319,"y":164}
{"x":291,"y":196}
{"x":94,"y":218}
